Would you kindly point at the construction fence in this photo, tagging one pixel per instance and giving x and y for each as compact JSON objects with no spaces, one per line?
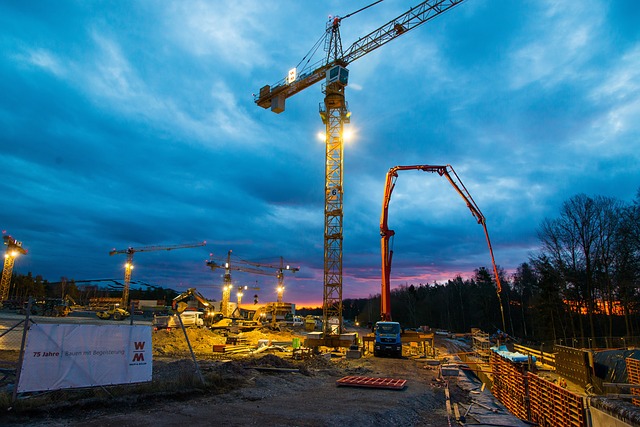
{"x":199,"y":345}
{"x":10,"y":344}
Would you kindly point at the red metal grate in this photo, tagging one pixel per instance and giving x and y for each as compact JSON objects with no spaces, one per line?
{"x":388,"y":383}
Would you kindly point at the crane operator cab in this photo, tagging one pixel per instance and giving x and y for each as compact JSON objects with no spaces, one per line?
{"x":387,"y":339}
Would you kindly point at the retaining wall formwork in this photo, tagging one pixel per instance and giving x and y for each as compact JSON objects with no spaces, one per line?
{"x":532,"y":398}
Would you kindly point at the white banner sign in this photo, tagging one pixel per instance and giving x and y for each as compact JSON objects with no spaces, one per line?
{"x":68,"y":356}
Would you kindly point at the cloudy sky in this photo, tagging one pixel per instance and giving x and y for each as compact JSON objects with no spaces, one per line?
{"x":133,"y":124}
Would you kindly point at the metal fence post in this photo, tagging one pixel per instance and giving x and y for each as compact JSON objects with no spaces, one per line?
{"x":21,"y":356}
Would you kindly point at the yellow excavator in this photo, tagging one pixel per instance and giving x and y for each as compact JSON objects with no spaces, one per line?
{"x":113,"y":312}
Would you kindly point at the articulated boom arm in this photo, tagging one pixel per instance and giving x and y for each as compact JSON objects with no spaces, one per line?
{"x":387,"y":255}
{"x":191,"y":292}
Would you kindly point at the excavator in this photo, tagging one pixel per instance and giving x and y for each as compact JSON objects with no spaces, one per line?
{"x":211,"y":317}
{"x":387,"y":332}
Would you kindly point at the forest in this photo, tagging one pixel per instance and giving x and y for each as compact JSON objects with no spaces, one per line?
{"x":580,"y":288}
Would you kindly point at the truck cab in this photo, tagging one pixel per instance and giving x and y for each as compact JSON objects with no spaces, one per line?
{"x":387,"y":339}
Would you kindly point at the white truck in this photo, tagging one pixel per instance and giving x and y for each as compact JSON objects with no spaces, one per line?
{"x":190,"y":319}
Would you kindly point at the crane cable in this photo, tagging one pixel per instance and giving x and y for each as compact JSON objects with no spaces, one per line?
{"x":361,"y":9}
{"x":316,"y":46}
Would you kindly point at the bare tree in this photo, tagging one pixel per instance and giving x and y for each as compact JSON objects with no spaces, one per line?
{"x":570,"y":242}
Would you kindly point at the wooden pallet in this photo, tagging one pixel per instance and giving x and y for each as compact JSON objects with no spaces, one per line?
{"x":371,"y":382}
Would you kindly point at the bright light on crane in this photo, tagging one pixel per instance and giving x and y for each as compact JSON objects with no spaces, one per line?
{"x":348,"y":135}
{"x":129,"y":264}
{"x":14,"y":248}
{"x":246,"y":267}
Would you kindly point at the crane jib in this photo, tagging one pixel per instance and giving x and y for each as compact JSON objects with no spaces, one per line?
{"x":274,"y":96}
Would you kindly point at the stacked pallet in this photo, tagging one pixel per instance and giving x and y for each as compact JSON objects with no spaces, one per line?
{"x":633,"y":373}
{"x":552,"y":405}
{"x":510,"y":385}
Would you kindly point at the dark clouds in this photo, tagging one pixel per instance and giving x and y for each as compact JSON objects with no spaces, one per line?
{"x":133,"y":124}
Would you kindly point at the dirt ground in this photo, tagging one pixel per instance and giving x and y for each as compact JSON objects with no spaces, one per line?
{"x":271,"y":389}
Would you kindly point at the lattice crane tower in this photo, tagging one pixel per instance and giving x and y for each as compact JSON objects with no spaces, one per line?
{"x":334,"y":113}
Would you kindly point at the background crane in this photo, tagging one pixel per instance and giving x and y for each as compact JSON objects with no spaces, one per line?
{"x":335,"y":114}
{"x":248,"y":267}
{"x":129,"y":264}
{"x":386,"y":234}
{"x":14,"y":248}
{"x":241,"y":290}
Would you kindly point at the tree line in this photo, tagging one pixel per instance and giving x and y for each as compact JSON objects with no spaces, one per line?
{"x":26,"y":286}
{"x":582,"y":283}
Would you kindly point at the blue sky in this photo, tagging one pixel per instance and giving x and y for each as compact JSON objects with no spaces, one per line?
{"x":132,"y":123}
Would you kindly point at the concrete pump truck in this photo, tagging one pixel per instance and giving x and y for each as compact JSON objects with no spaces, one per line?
{"x":388,"y":334}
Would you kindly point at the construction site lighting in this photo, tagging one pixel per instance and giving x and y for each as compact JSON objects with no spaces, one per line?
{"x":348,"y":135}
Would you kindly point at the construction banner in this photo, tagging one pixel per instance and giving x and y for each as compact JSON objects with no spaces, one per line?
{"x":70,"y":356}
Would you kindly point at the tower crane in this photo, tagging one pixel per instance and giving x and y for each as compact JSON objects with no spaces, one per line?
{"x":335,"y":114}
{"x":14,"y":248}
{"x":386,"y":234}
{"x":248,"y":267}
{"x":128,"y":266}
{"x":241,"y":290}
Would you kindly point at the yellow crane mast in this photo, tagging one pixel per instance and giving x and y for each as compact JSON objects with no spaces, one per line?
{"x":14,"y":248}
{"x":335,"y":114}
{"x":128,"y":266}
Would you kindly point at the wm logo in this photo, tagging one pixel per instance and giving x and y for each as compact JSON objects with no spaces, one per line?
{"x":138,"y":355}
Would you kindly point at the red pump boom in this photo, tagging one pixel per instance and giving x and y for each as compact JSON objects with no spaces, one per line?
{"x":386,"y":234}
